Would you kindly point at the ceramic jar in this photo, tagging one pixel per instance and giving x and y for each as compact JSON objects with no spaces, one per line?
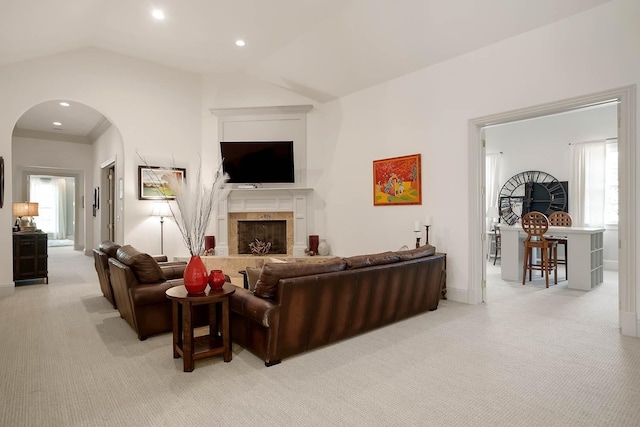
{"x":323,"y":248}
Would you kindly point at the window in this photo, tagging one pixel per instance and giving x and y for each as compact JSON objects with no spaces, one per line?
{"x":593,"y":186}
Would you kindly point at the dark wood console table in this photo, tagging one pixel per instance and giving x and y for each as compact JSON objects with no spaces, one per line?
{"x":30,"y":256}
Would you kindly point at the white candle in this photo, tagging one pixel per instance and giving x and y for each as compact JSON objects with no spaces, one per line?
{"x":416,"y":226}
{"x":427,"y":220}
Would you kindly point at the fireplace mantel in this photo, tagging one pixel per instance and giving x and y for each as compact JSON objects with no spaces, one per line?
{"x":265,"y":200}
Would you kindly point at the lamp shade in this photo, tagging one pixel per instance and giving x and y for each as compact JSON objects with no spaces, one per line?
{"x":33,"y":209}
{"x":20,"y":209}
{"x":161,"y":209}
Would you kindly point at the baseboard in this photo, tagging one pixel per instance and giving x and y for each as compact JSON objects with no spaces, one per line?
{"x":458,"y":295}
{"x":629,"y":324}
{"x":7,"y":289}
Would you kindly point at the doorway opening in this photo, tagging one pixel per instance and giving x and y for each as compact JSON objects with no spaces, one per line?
{"x":55,"y":196}
{"x":626,"y":243}
{"x":108,"y":201}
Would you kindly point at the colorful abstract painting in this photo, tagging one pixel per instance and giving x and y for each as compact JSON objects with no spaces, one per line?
{"x":396,"y":181}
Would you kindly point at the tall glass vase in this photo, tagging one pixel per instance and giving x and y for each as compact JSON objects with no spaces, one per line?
{"x":195,"y":276}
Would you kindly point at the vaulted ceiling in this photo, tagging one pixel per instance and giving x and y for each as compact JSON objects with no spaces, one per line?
{"x":322,"y":49}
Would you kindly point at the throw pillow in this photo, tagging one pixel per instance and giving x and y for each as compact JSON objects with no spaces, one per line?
{"x":360,"y":261}
{"x":253,"y":274}
{"x":422,"y":251}
{"x":109,"y":248}
{"x":144,"y":267}
{"x":267,"y":285}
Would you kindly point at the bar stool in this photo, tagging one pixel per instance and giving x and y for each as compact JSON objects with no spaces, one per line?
{"x":561,"y":219}
{"x":497,"y":242}
{"x":535,"y":224}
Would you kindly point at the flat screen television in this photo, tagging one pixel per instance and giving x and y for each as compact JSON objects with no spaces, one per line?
{"x":256,"y":162}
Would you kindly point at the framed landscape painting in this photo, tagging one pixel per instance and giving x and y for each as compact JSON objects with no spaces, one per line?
{"x":154,"y":183}
{"x":396,"y":181}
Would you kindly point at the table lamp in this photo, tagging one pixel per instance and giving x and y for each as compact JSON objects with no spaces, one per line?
{"x":25,"y":211}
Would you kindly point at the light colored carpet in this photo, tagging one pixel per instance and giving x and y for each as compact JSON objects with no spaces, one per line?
{"x":53,"y":243}
{"x":529,"y":357}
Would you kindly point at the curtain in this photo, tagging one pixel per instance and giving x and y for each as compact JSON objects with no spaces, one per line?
{"x":60,"y":186}
{"x":492,"y":185}
{"x":51,"y":195}
{"x":587,"y":170}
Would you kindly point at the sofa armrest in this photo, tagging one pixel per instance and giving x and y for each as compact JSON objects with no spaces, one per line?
{"x":160,"y":258}
{"x":173,"y":270}
{"x":259,"y":310}
{"x":152,"y":293}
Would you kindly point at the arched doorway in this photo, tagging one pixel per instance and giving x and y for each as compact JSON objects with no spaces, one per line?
{"x":63,"y":141}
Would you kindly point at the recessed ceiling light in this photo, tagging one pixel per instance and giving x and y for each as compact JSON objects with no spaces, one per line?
{"x":158,"y":14}
{"x":57,"y":124}
{"x":240,"y":43}
{"x":64,"y":104}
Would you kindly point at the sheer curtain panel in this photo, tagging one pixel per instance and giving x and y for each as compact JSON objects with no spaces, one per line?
{"x":587,"y":170}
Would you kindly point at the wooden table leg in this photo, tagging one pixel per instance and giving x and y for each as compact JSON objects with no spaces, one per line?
{"x":176,"y":322}
{"x":226,"y":339}
{"x":187,"y":340}
{"x":213,"y":322}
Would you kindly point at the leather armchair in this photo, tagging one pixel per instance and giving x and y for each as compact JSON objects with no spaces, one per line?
{"x":139,"y":283}
{"x":101,"y":255}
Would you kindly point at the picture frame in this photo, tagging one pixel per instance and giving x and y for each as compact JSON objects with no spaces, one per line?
{"x":397,"y":181}
{"x":153,"y":182}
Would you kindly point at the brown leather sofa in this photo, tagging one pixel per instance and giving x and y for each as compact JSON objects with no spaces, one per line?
{"x":101,"y":255}
{"x":299,"y":307}
{"x":139,"y":283}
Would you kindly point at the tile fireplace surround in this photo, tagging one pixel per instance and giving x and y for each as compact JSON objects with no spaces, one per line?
{"x":289,"y":204}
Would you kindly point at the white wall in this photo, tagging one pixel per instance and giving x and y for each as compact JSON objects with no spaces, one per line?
{"x":156,"y":110}
{"x":543,"y":143}
{"x":428,"y":112}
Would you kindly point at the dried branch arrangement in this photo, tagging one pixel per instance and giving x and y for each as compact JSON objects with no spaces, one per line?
{"x":258,"y":247}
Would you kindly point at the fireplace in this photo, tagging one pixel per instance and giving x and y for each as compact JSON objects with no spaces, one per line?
{"x":273,"y":227}
{"x":272,"y":232}
{"x":262,"y":204}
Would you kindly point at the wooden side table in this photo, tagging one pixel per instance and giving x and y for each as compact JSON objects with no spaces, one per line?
{"x":217,"y":342}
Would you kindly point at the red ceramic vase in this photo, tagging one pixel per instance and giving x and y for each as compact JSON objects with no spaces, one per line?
{"x":216,"y":279}
{"x":313,"y":244}
{"x":209,"y":242}
{"x":195,"y":276}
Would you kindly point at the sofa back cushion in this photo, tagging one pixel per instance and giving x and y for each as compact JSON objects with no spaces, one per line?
{"x":109,"y":248}
{"x":267,"y":285}
{"x":253,"y":274}
{"x":422,"y":251}
{"x":145,"y":268}
{"x":361,"y":261}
